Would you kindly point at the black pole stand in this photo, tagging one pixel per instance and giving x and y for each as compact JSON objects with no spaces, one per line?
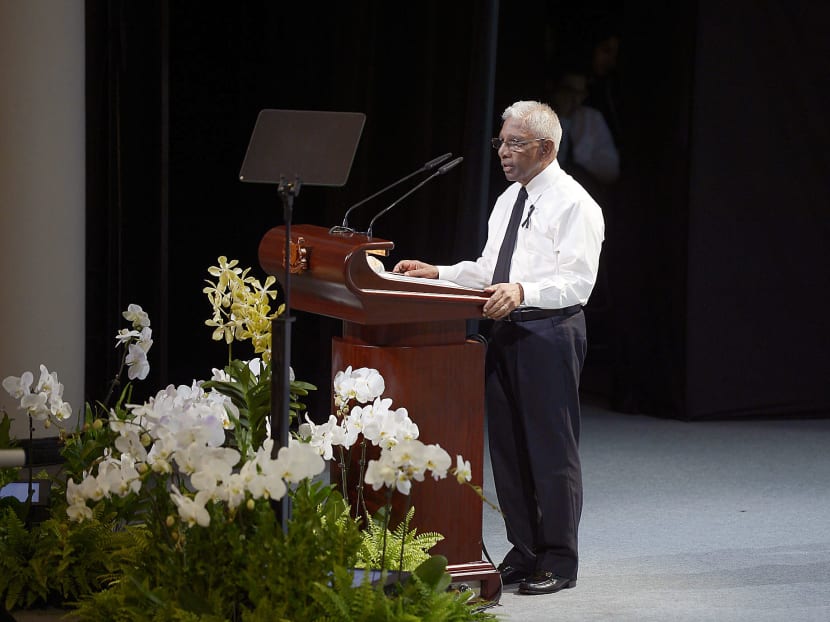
{"x":281,"y":349}
{"x":318,"y":147}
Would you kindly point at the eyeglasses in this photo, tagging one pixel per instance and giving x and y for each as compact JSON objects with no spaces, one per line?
{"x":515,"y":145}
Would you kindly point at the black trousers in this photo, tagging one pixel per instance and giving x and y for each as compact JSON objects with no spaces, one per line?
{"x":533,"y":414}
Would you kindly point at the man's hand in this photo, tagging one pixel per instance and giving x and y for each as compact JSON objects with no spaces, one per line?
{"x":504,"y":298}
{"x":413,"y":267}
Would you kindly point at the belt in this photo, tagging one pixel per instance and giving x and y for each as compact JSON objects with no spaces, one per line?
{"x":530,"y":313}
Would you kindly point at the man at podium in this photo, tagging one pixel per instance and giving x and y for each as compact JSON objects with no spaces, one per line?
{"x":539,"y":266}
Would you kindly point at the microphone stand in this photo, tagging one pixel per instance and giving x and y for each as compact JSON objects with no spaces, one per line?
{"x":447,"y":167}
{"x":345,"y":228}
{"x":281,"y":349}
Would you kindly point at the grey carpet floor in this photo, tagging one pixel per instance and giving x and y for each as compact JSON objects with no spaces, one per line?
{"x":724,"y":521}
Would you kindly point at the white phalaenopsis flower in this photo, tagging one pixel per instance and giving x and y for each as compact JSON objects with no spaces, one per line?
{"x":129,"y":444}
{"x":42,"y":401}
{"x":408,"y":460}
{"x":362,"y":385}
{"x":232,"y":491}
{"x":125,"y":336}
{"x":384,"y":427}
{"x":255,"y":365}
{"x":119,"y":477}
{"x":183,"y":415}
{"x":18,"y":387}
{"x":145,"y":339}
{"x":137,"y":316}
{"x":92,"y":488}
{"x":137,"y":364}
{"x":35,"y":404}
{"x":48,"y":383}
{"x":184,"y":425}
{"x":263,"y":475}
{"x":344,"y":435}
{"x":438,"y":461}
{"x":381,"y":472}
{"x":463,"y":471}
{"x":320,"y":436}
{"x":181,"y":433}
{"x":79,"y":512}
{"x":192,"y":510}
{"x":411,"y":457}
{"x":298,"y":461}
{"x":138,"y":342}
{"x":220,"y":375}
{"x":208,"y":467}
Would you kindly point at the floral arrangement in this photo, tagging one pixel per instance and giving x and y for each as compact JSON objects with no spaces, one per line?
{"x":173,"y":500}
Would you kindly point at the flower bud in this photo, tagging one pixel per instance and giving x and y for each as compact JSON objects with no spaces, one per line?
{"x":250,"y":505}
{"x":171,"y":520}
{"x":97,"y":424}
{"x":146,"y":440}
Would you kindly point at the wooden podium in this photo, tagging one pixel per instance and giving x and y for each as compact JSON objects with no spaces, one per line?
{"x":413,"y":331}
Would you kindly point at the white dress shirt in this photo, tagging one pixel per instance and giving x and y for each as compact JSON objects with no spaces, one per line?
{"x":557,"y":251}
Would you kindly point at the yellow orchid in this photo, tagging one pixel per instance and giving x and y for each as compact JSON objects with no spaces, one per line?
{"x":241,"y":306}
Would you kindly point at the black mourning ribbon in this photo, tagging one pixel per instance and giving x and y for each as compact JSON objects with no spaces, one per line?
{"x":501,"y":274}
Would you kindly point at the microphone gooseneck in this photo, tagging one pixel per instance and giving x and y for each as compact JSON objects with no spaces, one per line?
{"x":344,"y":227}
{"x":444,"y":169}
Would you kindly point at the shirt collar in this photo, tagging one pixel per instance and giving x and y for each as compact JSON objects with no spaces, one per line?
{"x":545,"y":178}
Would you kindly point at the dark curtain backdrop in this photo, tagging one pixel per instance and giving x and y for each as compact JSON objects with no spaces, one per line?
{"x":713,"y":232}
{"x":759,"y":227}
{"x":175,"y":89}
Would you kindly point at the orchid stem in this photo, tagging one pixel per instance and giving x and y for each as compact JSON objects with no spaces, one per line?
{"x":117,"y":380}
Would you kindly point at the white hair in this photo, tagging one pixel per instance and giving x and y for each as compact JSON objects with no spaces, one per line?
{"x":537,"y":118}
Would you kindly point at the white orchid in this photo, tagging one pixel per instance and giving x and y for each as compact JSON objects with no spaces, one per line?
{"x":438,"y":461}
{"x":137,"y":364}
{"x":119,"y":477}
{"x":463,"y":472}
{"x":35,"y":404}
{"x":320,"y":436}
{"x":125,"y":336}
{"x":137,"y":316}
{"x":381,"y":473}
{"x":145,"y":339}
{"x":192,"y":510}
{"x":42,"y":401}
{"x":406,"y":461}
{"x":298,"y":461}
{"x":362,"y":385}
{"x":79,"y":512}
{"x":137,"y":341}
{"x":184,"y":425}
{"x":17,"y":387}
{"x":129,"y":444}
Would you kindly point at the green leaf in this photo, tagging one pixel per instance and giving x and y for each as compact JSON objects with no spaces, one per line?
{"x":433,"y":572}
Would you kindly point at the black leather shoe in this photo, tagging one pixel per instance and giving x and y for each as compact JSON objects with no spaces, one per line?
{"x":511,"y":575}
{"x":545,"y":582}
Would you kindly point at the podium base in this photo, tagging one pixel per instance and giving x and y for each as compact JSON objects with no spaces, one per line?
{"x":481,"y":577}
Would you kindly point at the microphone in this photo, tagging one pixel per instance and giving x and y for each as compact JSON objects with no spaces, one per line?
{"x":444,"y":169}
{"x":426,"y":167}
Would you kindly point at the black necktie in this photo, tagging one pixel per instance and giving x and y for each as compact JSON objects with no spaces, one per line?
{"x":502,"y":271}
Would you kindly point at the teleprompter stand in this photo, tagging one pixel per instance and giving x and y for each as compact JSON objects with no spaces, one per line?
{"x":290,"y":148}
